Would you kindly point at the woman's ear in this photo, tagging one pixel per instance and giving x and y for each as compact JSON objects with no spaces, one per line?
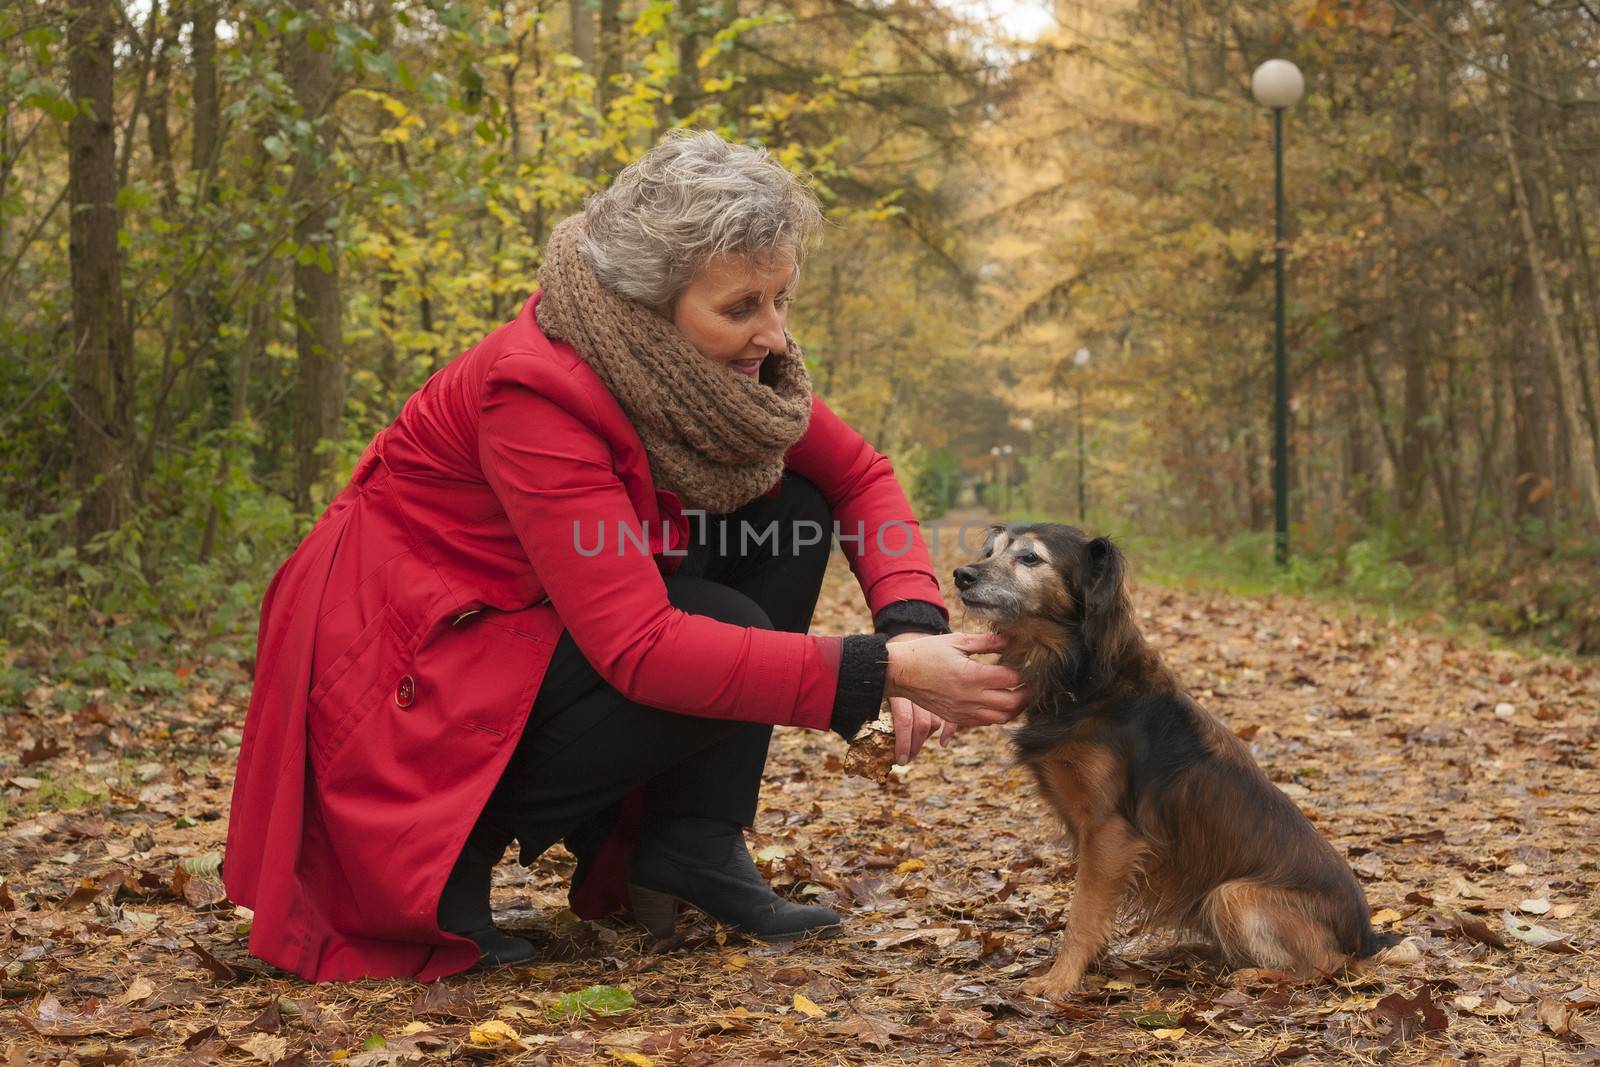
{"x":1107,"y":614}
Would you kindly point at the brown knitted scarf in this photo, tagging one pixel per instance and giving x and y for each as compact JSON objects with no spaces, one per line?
{"x":712,"y":435}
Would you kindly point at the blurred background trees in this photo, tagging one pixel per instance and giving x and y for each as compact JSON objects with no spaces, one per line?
{"x":1444,"y":317}
{"x":236,"y":234}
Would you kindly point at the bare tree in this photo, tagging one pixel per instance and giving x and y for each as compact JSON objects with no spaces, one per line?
{"x":309,"y":73}
{"x":103,"y":350}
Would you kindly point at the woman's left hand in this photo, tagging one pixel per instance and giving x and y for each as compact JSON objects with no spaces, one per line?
{"x":914,"y":724}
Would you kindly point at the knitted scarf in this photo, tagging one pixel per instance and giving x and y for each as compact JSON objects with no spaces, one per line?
{"x":712,"y":435}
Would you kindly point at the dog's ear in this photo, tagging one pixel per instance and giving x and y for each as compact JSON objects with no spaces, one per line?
{"x":1108,"y":628}
{"x":995,"y":529}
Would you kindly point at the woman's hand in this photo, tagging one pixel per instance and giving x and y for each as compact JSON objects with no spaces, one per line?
{"x":913,"y":725}
{"x":935,"y":673}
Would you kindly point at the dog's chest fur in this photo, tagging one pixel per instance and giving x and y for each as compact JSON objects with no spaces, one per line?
{"x":1083,"y":780}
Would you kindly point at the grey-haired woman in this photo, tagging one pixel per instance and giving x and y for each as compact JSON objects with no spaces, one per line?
{"x":565,"y":598}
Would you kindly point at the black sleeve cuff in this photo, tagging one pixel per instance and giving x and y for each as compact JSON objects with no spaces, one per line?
{"x":863,"y":668}
{"x":910,"y":616}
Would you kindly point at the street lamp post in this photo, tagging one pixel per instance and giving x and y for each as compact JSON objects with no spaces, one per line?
{"x":1278,"y":84}
{"x":1080,"y":359}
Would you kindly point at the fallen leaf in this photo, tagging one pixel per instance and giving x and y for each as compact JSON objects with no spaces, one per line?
{"x":871,"y":754}
{"x":1385,"y":916}
{"x":42,"y":749}
{"x":141,"y":988}
{"x":1582,"y":998}
{"x":206,"y":866}
{"x":446,"y":1001}
{"x":1370,"y":866}
{"x":266,"y":1048}
{"x":1537,"y":936}
{"x":1556,"y":1016}
{"x":872,"y":1030}
{"x":1473,"y":929}
{"x":492,"y":1033}
{"x":595,"y":1000}
{"x":270,"y":1021}
{"x":1409,"y":1017}
{"x":49,"y":1017}
{"x":805,"y":1006}
{"x":943,"y":936}
{"x":909,"y":866}
{"x":221,"y":971}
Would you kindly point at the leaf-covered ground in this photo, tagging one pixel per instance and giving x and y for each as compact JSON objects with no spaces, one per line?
{"x":1460,"y":782}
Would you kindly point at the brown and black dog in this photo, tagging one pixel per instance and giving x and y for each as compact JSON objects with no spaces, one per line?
{"x":1167,"y":811}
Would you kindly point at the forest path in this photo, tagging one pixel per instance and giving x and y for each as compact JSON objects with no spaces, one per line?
{"x":1459,"y":781}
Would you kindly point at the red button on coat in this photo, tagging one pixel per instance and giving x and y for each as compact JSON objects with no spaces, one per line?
{"x":406,"y":691}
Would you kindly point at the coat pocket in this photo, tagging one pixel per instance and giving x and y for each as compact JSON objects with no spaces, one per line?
{"x":373,"y":670}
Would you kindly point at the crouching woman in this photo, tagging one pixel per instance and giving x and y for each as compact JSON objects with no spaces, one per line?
{"x":564,"y":598}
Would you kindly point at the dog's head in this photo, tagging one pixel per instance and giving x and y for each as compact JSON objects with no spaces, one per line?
{"x":1058,"y":587}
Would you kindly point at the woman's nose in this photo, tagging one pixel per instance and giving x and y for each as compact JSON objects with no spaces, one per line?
{"x":770,"y":335}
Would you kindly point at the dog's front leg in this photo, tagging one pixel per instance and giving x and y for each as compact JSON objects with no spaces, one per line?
{"x":1108,"y":855}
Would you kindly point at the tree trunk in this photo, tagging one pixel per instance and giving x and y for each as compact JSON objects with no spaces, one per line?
{"x":1414,"y":406}
{"x":686,"y":21}
{"x":610,"y":51}
{"x":319,"y":374}
{"x":582,"y":13}
{"x":1582,"y":456}
{"x":205,"y":349}
{"x":102,"y":345}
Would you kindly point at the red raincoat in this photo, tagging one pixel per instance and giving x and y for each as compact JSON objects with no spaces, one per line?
{"x":402,"y":644}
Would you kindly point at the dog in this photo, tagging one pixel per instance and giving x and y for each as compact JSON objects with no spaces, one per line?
{"x":1165,"y":808}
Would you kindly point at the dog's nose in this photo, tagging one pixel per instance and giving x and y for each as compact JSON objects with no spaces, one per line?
{"x":965,"y":576}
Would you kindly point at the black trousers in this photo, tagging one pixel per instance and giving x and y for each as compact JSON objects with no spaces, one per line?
{"x":586,"y":746}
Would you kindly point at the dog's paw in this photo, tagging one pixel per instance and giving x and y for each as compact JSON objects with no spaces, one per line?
{"x":1050,"y":986}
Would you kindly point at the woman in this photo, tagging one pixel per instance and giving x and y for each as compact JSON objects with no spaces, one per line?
{"x":507,"y":627}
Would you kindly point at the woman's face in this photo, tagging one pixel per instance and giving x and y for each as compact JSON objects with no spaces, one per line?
{"x":735,"y":309}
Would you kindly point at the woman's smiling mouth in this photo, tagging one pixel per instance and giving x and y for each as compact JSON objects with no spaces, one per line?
{"x":748,"y":367}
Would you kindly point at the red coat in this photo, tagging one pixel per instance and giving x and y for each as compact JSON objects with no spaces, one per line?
{"x":402,"y":644}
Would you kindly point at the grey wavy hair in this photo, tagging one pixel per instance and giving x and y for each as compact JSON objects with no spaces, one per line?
{"x":690,"y":198}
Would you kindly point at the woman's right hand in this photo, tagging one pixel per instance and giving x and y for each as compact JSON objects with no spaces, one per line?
{"x":937,"y":673}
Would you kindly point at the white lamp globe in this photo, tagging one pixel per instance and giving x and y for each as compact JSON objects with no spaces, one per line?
{"x":1277,"y":84}
{"x":1080,"y":358}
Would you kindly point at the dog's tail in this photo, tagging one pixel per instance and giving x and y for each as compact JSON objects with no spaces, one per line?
{"x":1390,"y":949}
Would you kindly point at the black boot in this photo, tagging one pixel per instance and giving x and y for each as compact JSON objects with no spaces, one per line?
{"x":704,"y":863}
{"x":464,"y":904}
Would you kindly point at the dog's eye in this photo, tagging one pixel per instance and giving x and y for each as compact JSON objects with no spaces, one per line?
{"x":1028,"y":559}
